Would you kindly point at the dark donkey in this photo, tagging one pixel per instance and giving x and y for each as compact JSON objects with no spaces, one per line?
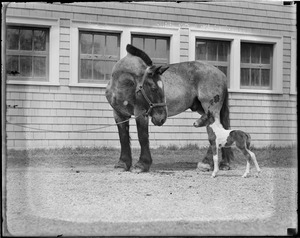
{"x":139,"y":88}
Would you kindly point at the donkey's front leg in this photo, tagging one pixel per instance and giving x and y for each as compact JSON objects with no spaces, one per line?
{"x":145,"y":161}
{"x":125,"y":160}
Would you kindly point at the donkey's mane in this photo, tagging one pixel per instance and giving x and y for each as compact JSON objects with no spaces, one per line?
{"x":139,"y":53}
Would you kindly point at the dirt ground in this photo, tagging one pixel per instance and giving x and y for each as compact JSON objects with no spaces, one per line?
{"x":71,"y":199}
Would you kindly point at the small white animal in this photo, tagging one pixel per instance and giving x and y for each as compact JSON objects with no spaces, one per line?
{"x":220,"y":137}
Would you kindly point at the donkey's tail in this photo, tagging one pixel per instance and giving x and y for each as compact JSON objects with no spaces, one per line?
{"x":224,"y":113}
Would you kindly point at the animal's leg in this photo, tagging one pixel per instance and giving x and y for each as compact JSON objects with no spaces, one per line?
{"x":216,"y":166}
{"x":207,"y":162}
{"x":253,"y":157}
{"x":249,"y":155}
{"x":145,"y":160}
{"x":245,"y":175}
{"x":227,"y":156}
{"x":125,"y":160}
{"x":214,"y":147}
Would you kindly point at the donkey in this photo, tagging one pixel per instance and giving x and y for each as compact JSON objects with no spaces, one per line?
{"x":139,"y":88}
{"x":220,"y":138}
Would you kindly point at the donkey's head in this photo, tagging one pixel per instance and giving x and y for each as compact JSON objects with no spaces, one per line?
{"x":150,"y":93}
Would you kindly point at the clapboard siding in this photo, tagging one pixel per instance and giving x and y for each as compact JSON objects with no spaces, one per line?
{"x":269,"y":118}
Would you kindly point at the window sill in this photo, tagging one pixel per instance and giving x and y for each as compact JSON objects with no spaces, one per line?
{"x":35,"y":83}
{"x":254,"y":91}
{"x":89,"y":85}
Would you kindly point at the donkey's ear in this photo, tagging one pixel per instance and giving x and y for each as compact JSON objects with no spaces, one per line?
{"x":161,"y":69}
{"x":154,"y":70}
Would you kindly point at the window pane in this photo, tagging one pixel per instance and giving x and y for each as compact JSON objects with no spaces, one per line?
{"x":138,"y":42}
{"x":211,"y":51}
{"x":39,"y":40}
{"x":245,"y":79}
{"x":150,"y":47}
{"x":265,"y":54}
{"x":99,"y":44}
{"x":39,"y":66}
{"x":223,"y":49}
{"x":112,"y":45}
{"x":161,"y":48}
{"x":200,"y":50}
{"x":98,"y":67}
{"x":86,"y":43}
{"x":109,"y":67}
{"x":255,"y":77}
{"x":245,"y":53}
{"x":265,"y":77}
{"x":157,"y":48}
{"x":12,"y":39}
{"x":12,"y":65}
{"x":26,"y":39}
{"x":26,"y":66}
{"x":255,"y":53}
{"x":86,"y":69}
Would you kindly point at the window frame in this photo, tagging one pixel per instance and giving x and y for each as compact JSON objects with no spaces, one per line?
{"x":218,"y":63}
{"x":93,"y":56}
{"x":259,"y":66}
{"x":30,"y":53}
{"x":143,"y":36}
{"x":235,"y":58}
{"x":53,"y":48}
{"x":125,"y":32}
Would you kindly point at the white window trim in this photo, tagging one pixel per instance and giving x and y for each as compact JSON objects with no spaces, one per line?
{"x":293,"y":89}
{"x":53,"y":24}
{"x":236,"y":39}
{"x":125,"y":32}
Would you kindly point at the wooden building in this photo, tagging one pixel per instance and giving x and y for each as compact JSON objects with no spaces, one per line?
{"x":60,"y":56}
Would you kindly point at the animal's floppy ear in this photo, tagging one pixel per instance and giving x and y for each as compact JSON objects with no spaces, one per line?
{"x":157,"y":70}
{"x":161,"y":69}
{"x":210,"y":116}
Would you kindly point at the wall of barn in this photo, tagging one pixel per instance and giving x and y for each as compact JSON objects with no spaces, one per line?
{"x":269,"y":117}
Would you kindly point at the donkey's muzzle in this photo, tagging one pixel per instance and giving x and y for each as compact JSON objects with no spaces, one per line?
{"x":158,"y":122}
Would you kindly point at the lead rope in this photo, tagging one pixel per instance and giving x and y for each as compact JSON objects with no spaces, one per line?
{"x":78,"y":131}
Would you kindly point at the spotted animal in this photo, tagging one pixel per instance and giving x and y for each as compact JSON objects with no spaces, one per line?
{"x":219,"y":138}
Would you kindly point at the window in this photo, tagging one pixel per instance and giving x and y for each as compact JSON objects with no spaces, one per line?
{"x":214,"y":52}
{"x":27,"y":53}
{"x":157,"y":47}
{"x":256,"y":65}
{"x":98,"y":54}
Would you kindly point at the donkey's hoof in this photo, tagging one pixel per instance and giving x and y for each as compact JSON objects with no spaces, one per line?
{"x":140,"y":168}
{"x":203,"y":167}
{"x":224,"y":166}
{"x":257,"y":174}
{"x":213,"y":175}
{"x":121,"y":166}
{"x":245,"y":175}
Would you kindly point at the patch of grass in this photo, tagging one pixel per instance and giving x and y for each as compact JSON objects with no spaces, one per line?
{"x":270,"y":156}
{"x":169,"y":147}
